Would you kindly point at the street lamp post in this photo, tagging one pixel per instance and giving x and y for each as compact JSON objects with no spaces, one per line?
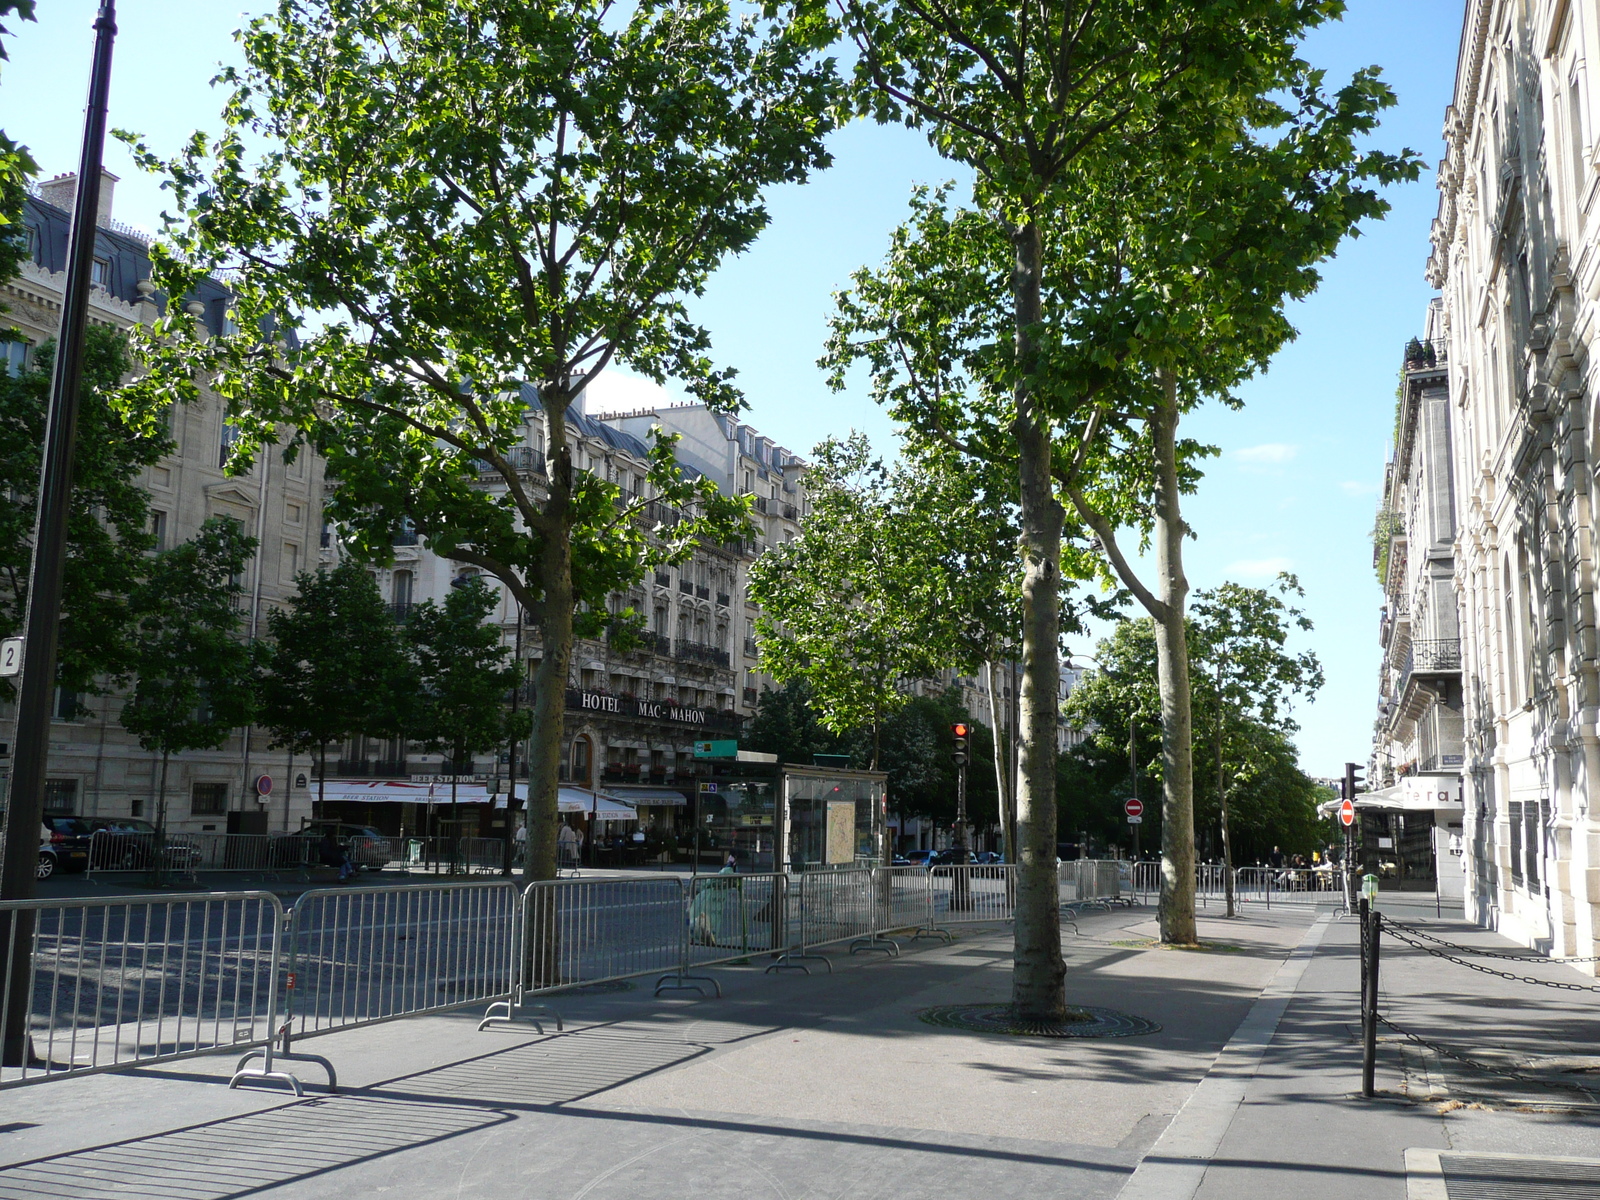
{"x":24,"y":813}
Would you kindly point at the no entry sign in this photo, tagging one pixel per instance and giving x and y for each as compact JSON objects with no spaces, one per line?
{"x":1134,"y":808}
{"x":1347,"y":813}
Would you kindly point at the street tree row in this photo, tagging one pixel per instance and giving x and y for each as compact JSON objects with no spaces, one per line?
{"x":425,"y":207}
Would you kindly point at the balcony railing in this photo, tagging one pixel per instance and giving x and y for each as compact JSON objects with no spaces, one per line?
{"x":791,"y":512}
{"x":686,"y":587}
{"x":695,"y":652}
{"x":761,"y":504}
{"x":1440,"y":655}
{"x":664,"y":579}
{"x":750,"y":647}
{"x":723,"y":599}
{"x":749,"y":695}
{"x":703,"y":593}
{"x":400,"y":610}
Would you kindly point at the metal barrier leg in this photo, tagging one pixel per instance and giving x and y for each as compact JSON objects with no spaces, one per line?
{"x":244,"y":1077}
{"x":929,"y":927}
{"x":874,"y":941}
{"x":682,"y":981}
{"x":520,"y":1011}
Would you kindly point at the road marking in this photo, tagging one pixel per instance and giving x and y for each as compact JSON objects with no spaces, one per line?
{"x":1176,"y":1165}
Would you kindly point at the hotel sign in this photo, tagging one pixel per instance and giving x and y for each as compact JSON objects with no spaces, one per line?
{"x":650,"y":710}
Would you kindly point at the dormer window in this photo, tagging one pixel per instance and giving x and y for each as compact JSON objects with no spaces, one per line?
{"x":100,"y":272}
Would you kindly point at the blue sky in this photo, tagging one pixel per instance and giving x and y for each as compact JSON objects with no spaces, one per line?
{"x":1298,"y":479}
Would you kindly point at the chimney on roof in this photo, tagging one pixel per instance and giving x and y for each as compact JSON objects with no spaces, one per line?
{"x":62,"y":191}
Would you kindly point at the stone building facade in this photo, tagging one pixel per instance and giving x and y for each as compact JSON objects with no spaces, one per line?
{"x":96,"y":767}
{"x":1516,"y":257}
{"x":1414,"y":820}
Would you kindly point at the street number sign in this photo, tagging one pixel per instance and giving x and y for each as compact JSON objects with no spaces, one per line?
{"x":1347,"y":813}
{"x":11,"y":656}
{"x":1134,"y":808}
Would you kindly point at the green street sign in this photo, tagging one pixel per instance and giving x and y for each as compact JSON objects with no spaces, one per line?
{"x":727,"y":749}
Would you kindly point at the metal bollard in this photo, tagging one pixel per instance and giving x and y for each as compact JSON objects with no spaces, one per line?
{"x":1372,"y":921}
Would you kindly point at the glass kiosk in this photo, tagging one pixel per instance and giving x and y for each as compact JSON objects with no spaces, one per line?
{"x":772,"y":815}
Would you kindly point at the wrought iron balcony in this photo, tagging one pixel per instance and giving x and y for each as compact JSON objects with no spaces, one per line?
{"x":723,"y":599}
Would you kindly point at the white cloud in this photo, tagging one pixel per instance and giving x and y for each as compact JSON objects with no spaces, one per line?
{"x":1258,"y":568}
{"x":617,"y":391}
{"x":1269,"y":454}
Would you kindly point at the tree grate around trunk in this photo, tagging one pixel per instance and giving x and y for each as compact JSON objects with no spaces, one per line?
{"x":1082,"y":1021}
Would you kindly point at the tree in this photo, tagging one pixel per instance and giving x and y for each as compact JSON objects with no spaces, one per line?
{"x":786,"y":724}
{"x":463,"y":675}
{"x":468,"y":209}
{"x":335,"y":668}
{"x":108,"y":528}
{"x":859,"y":605}
{"x":1105,"y":139}
{"x":1236,"y":637}
{"x":1240,"y":634}
{"x":194,"y":676}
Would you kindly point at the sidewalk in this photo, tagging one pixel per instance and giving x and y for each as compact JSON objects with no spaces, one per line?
{"x":794,"y":1086}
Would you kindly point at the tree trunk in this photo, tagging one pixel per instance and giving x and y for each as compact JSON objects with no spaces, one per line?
{"x":158,"y":857}
{"x":1222,"y":804}
{"x":1172,"y":662}
{"x":1039,"y":976}
{"x":550,"y":696}
{"x":550,"y":681}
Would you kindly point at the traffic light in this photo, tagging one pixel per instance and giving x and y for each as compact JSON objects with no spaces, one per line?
{"x":1352,"y":780}
{"x":959,"y":729}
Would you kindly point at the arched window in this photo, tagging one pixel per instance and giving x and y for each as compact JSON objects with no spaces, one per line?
{"x":582,"y":760}
{"x":401,"y":590}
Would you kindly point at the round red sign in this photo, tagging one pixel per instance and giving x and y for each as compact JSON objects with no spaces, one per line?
{"x":1347,"y":813}
{"x":1134,"y":808}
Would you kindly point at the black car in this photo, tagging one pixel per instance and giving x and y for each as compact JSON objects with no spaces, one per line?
{"x":64,"y":842}
{"x":950,"y":858}
{"x":128,"y":844}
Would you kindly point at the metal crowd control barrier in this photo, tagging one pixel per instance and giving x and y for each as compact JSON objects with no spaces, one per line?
{"x":1288,"y":886}
{"x":581,"y":932}
{"x":144,"y":979}
{"x":363,"y":955}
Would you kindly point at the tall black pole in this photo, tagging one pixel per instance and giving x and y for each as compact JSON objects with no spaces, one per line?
{"x":26,"y":806}
{"x":511,"y":755}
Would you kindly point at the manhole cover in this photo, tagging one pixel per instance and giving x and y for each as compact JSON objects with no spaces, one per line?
{"x":1092,"y":1022}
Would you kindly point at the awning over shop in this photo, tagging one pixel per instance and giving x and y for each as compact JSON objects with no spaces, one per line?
{"x":1414,"y":793}
{"x":402,"y":791}
{"x":649,"y":797}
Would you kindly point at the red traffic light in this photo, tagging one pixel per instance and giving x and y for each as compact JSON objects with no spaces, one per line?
{"x":959,"y":729}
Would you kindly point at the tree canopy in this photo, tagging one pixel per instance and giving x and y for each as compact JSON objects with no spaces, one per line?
{"x":465,"y":211}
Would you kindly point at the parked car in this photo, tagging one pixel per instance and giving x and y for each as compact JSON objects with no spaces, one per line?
{"x":900,"y":860}
{"x":989,"y":857}
{"x":918,"y":858}
{"x":950,"y":858}
{"x":128,"y":844}
{"x":369,"y":850}
{"x":63,"y":846}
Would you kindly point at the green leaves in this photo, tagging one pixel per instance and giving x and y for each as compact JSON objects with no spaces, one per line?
{"x":463,"y":675}
{"x":897,"y":575}
{"x":336,"y":665}
{"x":108,"y":528}
{"x":464,"y":211}
{"x":194,"y":677}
